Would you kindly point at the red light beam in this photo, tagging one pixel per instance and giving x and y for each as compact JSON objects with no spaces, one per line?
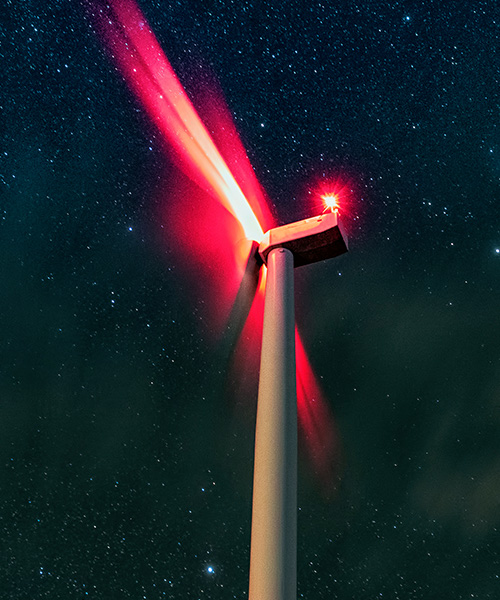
{"x":148,"y":72}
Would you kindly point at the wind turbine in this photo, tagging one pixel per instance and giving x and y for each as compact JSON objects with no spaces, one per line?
{"x":147,"y":71}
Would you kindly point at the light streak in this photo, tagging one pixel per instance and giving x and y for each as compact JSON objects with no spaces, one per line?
{"x":331,"y":202}
{"x":148,"y":72}
{"x":315,"y":420}
{"x":208,"y":238}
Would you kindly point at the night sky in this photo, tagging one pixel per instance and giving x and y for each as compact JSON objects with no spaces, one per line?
{"x":126,"y":450}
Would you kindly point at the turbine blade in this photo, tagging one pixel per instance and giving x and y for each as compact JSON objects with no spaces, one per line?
{"x":243,"y":300}
{"x":145,"y":68}
{"x":319,"y":434}
{"x":150,"y":75}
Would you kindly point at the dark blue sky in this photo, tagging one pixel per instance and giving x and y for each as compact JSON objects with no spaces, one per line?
{"x":126,"y":459}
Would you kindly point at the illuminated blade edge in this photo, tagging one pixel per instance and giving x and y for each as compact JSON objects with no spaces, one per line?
{"x":183,"y":126}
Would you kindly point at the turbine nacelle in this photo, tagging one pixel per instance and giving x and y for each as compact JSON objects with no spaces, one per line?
{"x":309,"y":240}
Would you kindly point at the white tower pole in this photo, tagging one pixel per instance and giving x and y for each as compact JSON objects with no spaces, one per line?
{"x":273,"y":552}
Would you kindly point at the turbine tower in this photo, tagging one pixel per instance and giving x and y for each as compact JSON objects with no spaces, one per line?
{"x":273,"y":551}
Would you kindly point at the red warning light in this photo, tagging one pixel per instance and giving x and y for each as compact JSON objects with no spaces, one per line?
{"x":331,"y":202}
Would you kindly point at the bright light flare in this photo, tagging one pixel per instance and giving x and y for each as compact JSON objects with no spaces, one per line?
{"x":331,"y":193}
{"x":331,"y":202}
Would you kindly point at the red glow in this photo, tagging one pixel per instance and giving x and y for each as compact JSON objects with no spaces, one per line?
{"x":330,"y":194}
{"x":207,"y":231}
{"x":217,"y":117}
{"x":147,"y":71}
{"x":208,"y":242}
{"x":315,"y":420}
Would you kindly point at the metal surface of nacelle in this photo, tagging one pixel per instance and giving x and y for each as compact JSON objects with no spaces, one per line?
{"x":310,"y":240}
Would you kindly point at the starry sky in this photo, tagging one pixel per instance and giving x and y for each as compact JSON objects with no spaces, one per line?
{"x":125,"y":455}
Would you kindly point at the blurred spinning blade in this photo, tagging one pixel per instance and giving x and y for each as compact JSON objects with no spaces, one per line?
{"x":225,"y":245}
